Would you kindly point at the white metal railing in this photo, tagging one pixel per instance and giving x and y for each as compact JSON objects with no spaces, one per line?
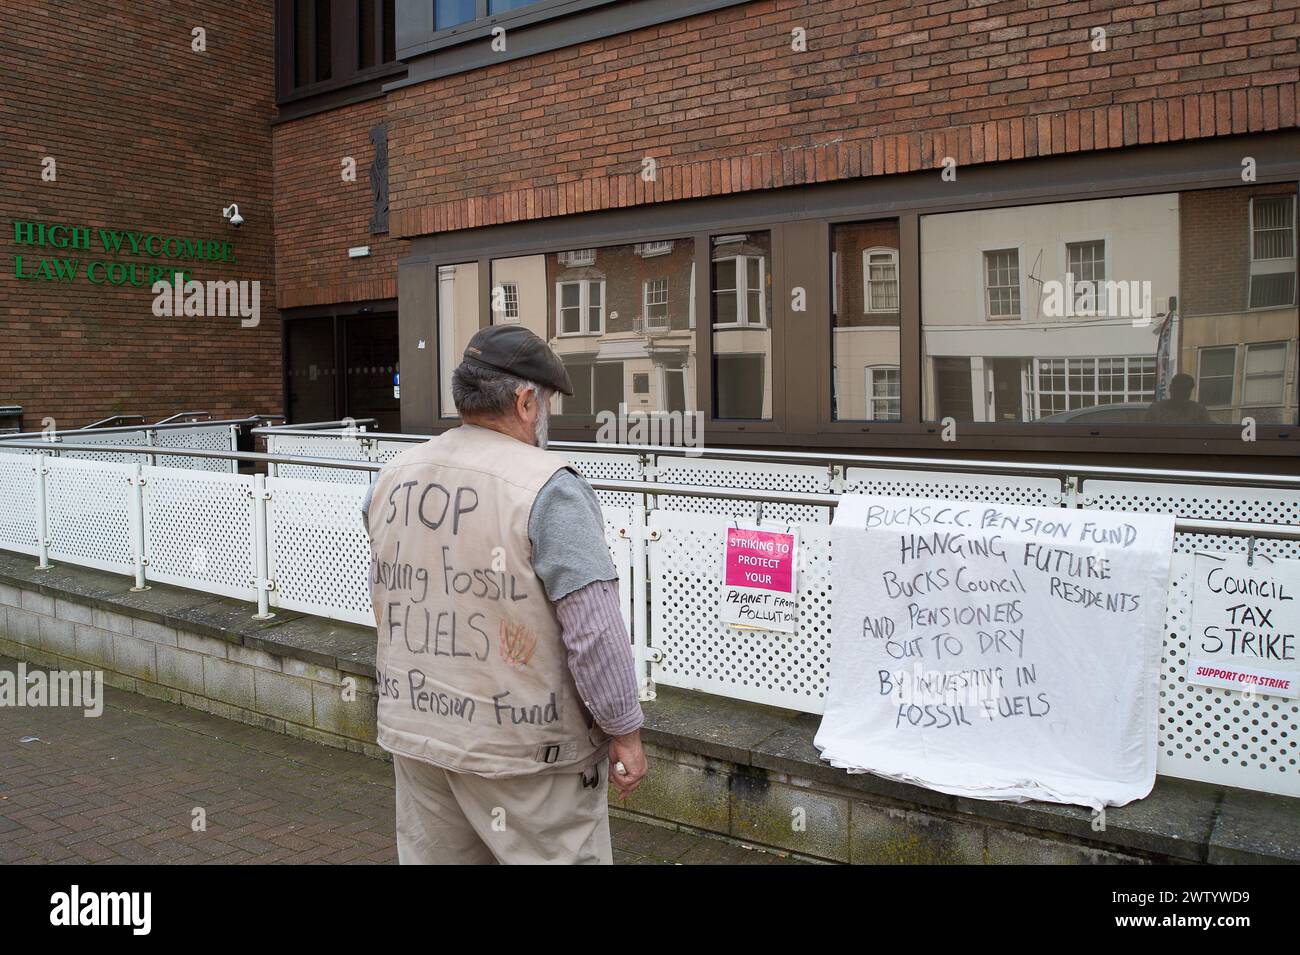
{"x":118,"y":444}
{"x":298,"y":543}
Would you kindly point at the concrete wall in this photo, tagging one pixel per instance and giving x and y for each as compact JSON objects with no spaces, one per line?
{"x":276,"y":692}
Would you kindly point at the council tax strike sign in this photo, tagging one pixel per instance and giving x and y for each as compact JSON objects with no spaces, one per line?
{"x":53,"y":252}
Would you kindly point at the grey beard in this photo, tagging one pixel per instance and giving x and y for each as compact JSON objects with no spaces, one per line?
{"x":542,"y":426}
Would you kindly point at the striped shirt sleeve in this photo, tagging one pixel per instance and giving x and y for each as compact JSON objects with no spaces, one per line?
{"x":599,"y":654}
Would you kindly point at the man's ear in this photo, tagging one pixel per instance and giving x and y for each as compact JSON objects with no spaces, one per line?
{"x":522,"y":399}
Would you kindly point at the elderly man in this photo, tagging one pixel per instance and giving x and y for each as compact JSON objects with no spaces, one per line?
{"x":506,"y":678}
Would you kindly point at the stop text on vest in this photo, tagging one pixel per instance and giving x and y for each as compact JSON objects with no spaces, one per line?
{"x":432,"y":505}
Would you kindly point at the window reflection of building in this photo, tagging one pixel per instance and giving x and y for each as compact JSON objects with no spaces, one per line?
{"x":742,"y":326}
{"x":865,"y":321}
{"x":1238,"y":309}
{"x":621,"y":318}
{"x":458,"y":317}
{"x":997,"y":348}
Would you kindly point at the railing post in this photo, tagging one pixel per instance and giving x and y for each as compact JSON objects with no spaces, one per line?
{"x":234,"y":446}
{"x":261,"y":555}
{"x":151,"y":440}
{"x":640,"y":600}
{"x":42,"y":515}
{"x":137,"y":524}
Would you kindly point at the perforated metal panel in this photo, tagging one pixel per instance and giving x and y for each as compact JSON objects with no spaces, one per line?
{"x":617,"y":522}
{"x":18,"y":506}
{"x":1203,"y":502}
{"x":787,"y":670}
{"x":385,"y":451}
{"x":1220,"y":736}
{"x":697,"y":472}
{"x":991,"y":488}
{"x":215,"y":437}
{"x":90,"y":506}
{"x":319,"y":549}
{"x":325,"y":445}
{"x":127,"y":439}
{"x":609,"y":467}
{"x":199,"y":530}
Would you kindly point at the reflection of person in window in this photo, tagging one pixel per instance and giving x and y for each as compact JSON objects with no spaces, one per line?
{"x":1178,"y":408}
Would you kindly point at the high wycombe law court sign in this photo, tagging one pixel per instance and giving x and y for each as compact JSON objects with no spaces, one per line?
{"x":103,"y":264}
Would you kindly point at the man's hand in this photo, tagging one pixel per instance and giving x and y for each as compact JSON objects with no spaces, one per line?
{"x":626,"y":750}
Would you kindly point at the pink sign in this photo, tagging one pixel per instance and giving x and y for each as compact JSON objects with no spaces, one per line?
{"x":762,"y":560}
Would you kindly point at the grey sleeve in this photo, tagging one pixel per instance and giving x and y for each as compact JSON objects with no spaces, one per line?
{"x":365,"y":505}
{"x":568,"y":536}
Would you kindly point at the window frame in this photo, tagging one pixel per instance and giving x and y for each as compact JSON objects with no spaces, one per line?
{"x":870,"y":372}
{"x":1100,"y":302}
{"x":1270,"y":266}
{"x":646,"y":324}
{"x":984,"y":253}
{"x":584,"y":307}
{"x":801,"y":217}
{"x":868,"y":305}
{"x":1232,"y":377}
{"x":1281,"y":375}
{"x":348,"y":80}
{"x":741,"y":291}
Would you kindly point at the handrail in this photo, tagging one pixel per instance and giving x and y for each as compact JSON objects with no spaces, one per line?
{"x":116,"y":417}
{"x":1020,"y":468}
{"x":312,"y":428}
{"x":1182,"y":525}
{"x":159,"y":425}
{"x":182,"y":414}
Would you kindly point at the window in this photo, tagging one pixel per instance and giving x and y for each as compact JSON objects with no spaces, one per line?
{"x":501,"y":6}
{"x":654,"y":303}
{"x":650,"y":249}
{"x":641,"y":384}
{"x":883,"y":394}
{"x":1216,"y":376}
{"x":597,"y":387}
{"x":742,"y":336}
{"x":306,"y":34}
{"x":581,"y":307}
{"x":880,"y":273}
{"x":506,"y":303}
{"x":739,"y":290}
{"x":1262,"y":382}
{"x":1060,"y":385}
{"x":1085,"y":267}
{"x":577,"y":258}
{"x":1272,"y":252}
{"x":1002,"y":284}
{"x":450,"y":13}
{"x":865,"y":321}
{"x":375,"y":33}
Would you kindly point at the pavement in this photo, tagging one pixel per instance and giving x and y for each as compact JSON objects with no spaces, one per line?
{"x":153,"y":782}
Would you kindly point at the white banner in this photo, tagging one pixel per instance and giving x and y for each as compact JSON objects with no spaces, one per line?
{"x":1245,"y":624}
{"x":997,"y":651}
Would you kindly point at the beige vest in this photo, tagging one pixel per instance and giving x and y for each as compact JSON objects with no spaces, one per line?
{"x":471,"y":667}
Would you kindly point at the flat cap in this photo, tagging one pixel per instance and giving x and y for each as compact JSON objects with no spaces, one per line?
{"x":516,"y":351}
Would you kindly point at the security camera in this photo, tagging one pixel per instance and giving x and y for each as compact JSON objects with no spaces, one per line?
{"x":231,"y":212}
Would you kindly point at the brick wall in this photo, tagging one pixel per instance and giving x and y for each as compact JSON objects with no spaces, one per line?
{"x":723,"y":104}
{"x":148,"y":136}
{"x":319,"y":215}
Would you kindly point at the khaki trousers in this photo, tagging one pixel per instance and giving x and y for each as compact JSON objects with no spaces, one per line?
{"x":446,"y":818}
